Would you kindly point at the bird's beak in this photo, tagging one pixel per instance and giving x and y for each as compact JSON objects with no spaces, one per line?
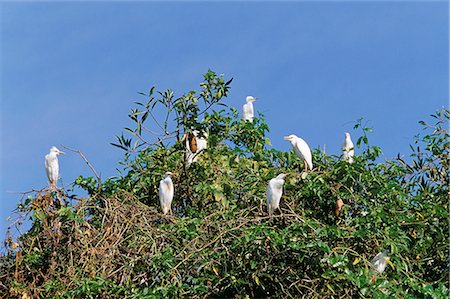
{"x":287,"y":138}
{"x":61,"y":153}
{"x":388,"y":261}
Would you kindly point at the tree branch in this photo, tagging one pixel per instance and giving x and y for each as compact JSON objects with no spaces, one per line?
{"x":85,"y":160}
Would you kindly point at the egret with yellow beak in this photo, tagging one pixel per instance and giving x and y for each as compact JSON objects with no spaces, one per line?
{"x":52,"y":166}
{"x":274,"y":193}
{"x":302,"y":150}
{"x":247,"y":109}
{"x":380,"y":261}
{"x":166,"y":193}
{"x":347,"y":149}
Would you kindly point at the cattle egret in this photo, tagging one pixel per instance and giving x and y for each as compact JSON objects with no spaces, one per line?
{"x":247,"y":109}
{"x":380,"y":260}
{"x":274,"y":193}
{"x":194,"y":146}
{"x":166,"y":193}
{"x":201,"y":141}
{"x":52,"y":166}
{"x":302,"y":150}
{"x":347,"y":149}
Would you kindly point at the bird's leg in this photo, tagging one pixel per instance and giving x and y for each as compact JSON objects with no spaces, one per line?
{"x":304,"y":173}
{"x":61,"y":201}
{"x":171,"y":218}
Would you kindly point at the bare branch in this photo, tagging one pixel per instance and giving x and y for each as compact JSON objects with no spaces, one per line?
{"x":85,"y":160}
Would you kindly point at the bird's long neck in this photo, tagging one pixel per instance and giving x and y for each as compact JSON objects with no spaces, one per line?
{"x":348,"y":142}
{"x":169,"y":183}
{"x":278,"y":184}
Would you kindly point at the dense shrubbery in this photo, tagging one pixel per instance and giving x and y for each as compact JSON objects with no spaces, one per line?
{"x":116,"y":244}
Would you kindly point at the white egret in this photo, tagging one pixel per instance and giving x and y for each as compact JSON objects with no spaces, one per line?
{"x":166,"y":193}
{"x":274,"y":193}
{"x":347,"y":149}
{"x":52,"y":166}
{"x":380,"y":260}
{"x":201,"y":141}
{"x":195,"y":145}
{"x":302,"y":150}
{"x":247,"y":109}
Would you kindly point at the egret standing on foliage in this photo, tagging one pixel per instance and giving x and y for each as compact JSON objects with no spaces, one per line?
{"x":302,"y":150}
{"x":347,"y":149}
{"x":202,"y":144}
{"x":52,"y":166}
{"x":274,"y":193}
{"x":380,"y":260}
{"x":166,"y":193}
{"x":247,"y":109}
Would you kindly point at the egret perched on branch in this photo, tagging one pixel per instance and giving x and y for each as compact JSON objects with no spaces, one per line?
{"x":247,"y":109}
{"x":302,"y":150}
{"x":347,"y":149}
{"x":52,"y":166}
{"x":195,"y":145}
{"x":380,"y":260}
{"x":166,"y":193}
{"x":201,"y":141}
{"x":274,"y":193}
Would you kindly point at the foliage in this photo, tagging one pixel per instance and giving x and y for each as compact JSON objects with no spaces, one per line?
{"x":220,"y":243}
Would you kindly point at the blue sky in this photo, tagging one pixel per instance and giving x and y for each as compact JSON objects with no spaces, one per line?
{"x":70,"y":72}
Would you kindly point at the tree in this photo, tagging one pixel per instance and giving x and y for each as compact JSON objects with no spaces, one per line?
{"x":115,"y":243}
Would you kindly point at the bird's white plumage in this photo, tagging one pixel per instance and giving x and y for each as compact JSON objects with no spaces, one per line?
{"x":166,"y":193}
{"x":247,"y":109}
{"x":274,"y":193}
{"x":301,"y":148}
{"x":52,"y":166}
{"x":202,"y":145}
{"x":347,"y":149}
{"x":379,"y":262}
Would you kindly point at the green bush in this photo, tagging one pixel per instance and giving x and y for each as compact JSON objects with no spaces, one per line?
{"x":221,"y":243}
